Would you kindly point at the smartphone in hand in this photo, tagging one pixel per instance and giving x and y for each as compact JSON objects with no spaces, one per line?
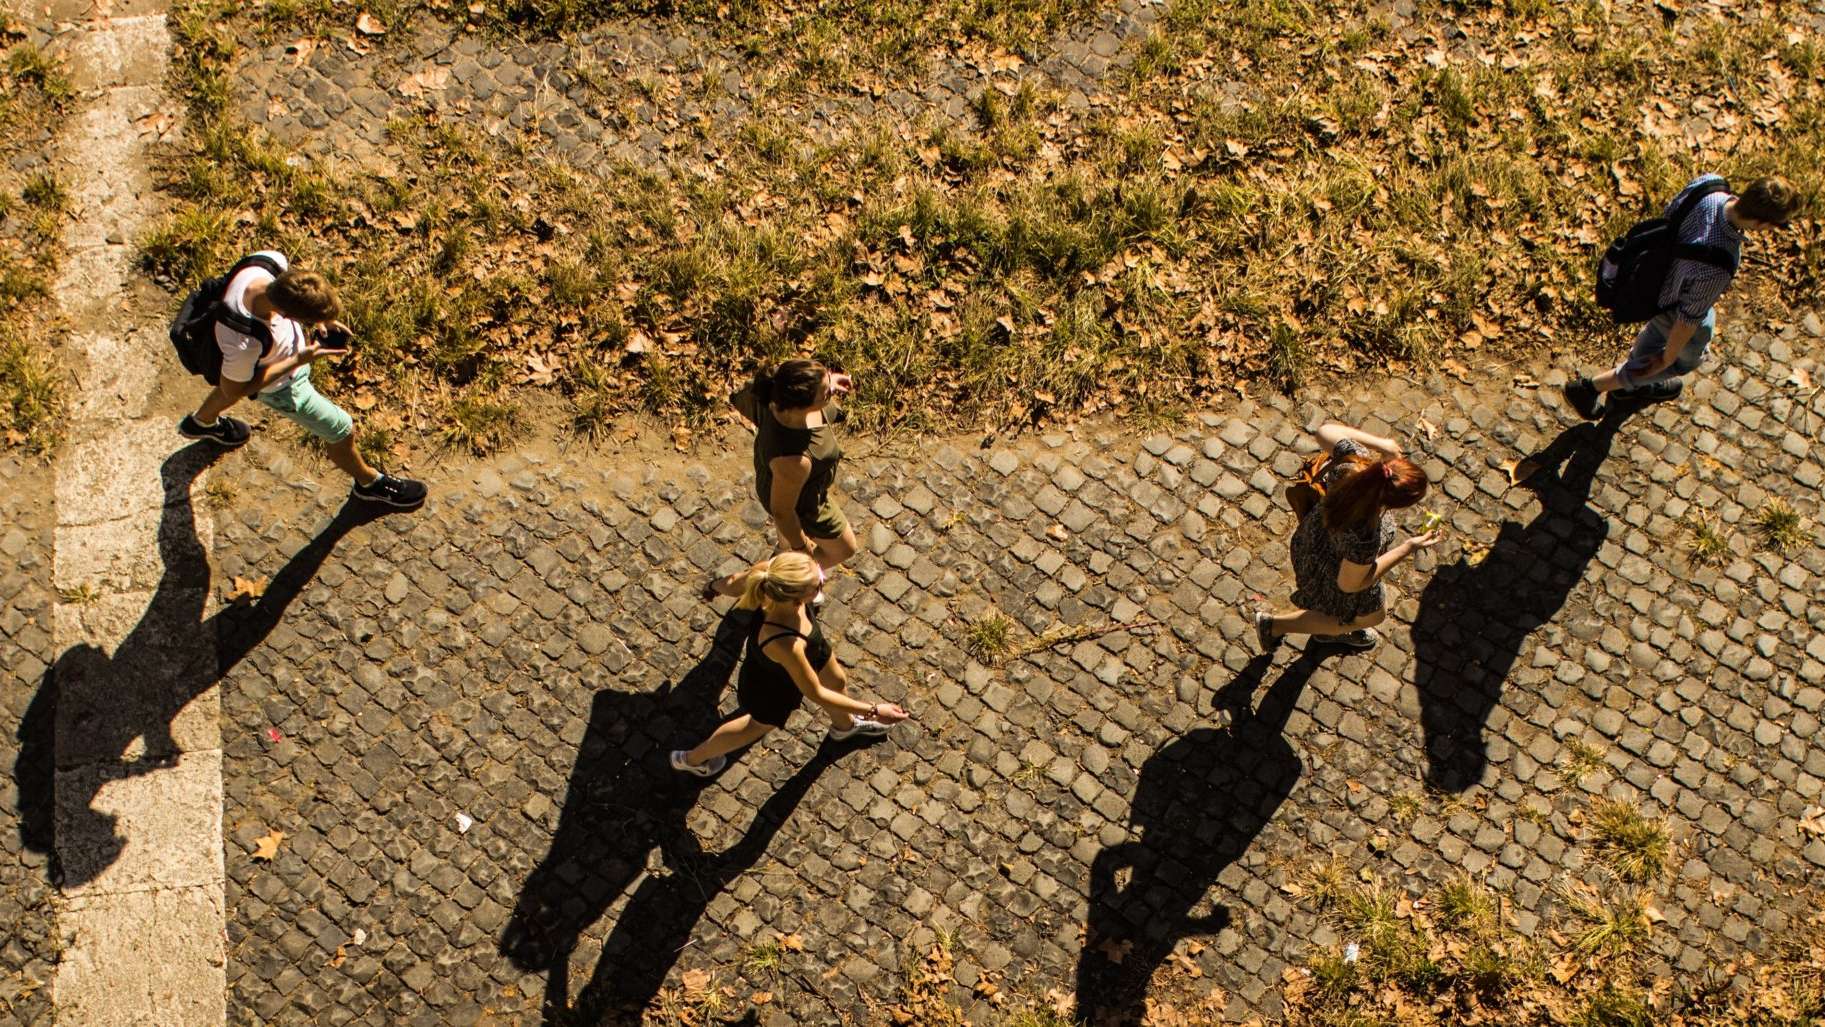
{"x":335,"y":338}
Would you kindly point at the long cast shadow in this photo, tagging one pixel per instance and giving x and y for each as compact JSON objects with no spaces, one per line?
{"x":1201,"y":801}
{"x":656,"y":924}
{"x":1473,"y":620}
{"x":623,"y":803}
{"x":127,"y":703}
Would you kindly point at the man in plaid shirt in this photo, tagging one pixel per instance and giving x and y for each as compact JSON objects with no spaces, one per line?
{"x":1674,"y":342}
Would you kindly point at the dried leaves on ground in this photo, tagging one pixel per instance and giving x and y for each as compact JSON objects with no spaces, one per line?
{"x":1271,"y":189}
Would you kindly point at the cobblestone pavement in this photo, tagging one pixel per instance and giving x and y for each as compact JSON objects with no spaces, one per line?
{"x":27,"y":949}
{"x":458,"y":717}
{"x":651,"y":93}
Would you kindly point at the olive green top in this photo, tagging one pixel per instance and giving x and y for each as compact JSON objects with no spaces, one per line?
{"x":773,"y":440}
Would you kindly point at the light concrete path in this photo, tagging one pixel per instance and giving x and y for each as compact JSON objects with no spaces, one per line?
{"x":138,"y":744}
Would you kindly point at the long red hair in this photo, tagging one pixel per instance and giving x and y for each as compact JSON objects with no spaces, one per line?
{"x":1368,"y":488}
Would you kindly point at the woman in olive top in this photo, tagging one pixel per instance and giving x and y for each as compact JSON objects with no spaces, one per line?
{"x":795,"y":459}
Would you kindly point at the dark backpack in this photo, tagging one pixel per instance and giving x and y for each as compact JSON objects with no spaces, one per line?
{"x":193,"y":330}
{"x":1635,"y":267}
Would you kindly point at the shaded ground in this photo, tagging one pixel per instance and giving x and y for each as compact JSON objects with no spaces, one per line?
{"x":28,"y":952}
{"x":459,"y":724}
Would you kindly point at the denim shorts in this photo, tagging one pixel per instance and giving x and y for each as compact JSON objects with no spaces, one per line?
{"x":299,"y":400}
{"x":1652,"y":342}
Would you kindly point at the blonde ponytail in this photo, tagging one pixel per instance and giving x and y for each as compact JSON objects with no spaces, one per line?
{"x":786,"y":576}
{"x":751,"y":586}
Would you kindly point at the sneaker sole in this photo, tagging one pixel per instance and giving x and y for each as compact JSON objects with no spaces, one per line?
{"x":415,"y":504}
{"x":217,"y":439}
{"x":853,"y":735}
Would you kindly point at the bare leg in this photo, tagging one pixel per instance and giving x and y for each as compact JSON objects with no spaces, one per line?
{"x":835,"y":678}
{"x":344,"y":455}
{"x":1309,"y":622}
{"x":730,"y":736}
{"x":1606,"y":382}
{"x":832,"y":551}
{"x":213,"y":406}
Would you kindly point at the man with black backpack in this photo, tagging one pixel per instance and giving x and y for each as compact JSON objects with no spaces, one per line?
{"x":1669,"y":272}
{"x":256,"y":331}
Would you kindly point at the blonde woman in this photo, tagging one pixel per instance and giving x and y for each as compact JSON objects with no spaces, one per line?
{"x":787,"y":660}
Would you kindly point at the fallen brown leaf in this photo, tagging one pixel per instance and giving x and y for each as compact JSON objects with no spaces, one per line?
{"x":267,"y":847}
{"x":246,"y":589}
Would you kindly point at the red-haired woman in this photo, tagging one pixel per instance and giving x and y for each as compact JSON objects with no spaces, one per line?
{"x":1344,"y":545}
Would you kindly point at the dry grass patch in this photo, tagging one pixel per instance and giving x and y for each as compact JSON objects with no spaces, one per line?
{"x":1590,"y":966}
{"x":1637,"y":847}
{"x":1416,"y":207}
{"x":1710,"y":544}
{"x":1783,"y":529}
{"x":33,"y":92}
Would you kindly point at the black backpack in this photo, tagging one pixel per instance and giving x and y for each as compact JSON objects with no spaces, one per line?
{"x":1635,"y":267}
{"x":193,"y":330}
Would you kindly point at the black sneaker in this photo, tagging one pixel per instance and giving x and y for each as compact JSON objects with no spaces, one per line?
{"x":1582,"y":396}
{"x":1653,"y":392}
{"x":1360,"y":639}
{"x":392,"y":491}
{"x":226,"y":431}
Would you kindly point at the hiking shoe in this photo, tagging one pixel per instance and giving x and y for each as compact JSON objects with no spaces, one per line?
{"x":1361,"y":639}
{"x":1264,"y":632}
{"x":710,"y":768}
{"x":1653,"y":392}
{"x":226,"y":431}
{"x":1582,"y":396}
{"x":863,"y":727}
{"x":392,"y":491}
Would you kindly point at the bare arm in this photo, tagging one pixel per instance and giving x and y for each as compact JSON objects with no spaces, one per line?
{"x":1677,"y":338}
{"x":807,"y":681}
{"x":1330,"y":433}
{"x":1359,"y":577}
{"x":789,"y":476}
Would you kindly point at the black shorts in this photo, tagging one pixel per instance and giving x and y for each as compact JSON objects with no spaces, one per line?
{"x":767,"y":698}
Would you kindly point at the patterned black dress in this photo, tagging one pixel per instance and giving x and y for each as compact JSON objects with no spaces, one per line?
{"x":1318,"y":553}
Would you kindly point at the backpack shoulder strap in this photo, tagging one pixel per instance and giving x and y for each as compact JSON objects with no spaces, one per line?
{"x":1716,"y":256}
{"x":250,"y":326}
{"x":1690,"y":203}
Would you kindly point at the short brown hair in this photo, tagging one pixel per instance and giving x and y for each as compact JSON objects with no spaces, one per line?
{"x":1768,"y":200}
{"x":304,"y":296}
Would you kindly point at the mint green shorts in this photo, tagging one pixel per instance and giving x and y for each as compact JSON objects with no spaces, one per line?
{"x":299,"y":400}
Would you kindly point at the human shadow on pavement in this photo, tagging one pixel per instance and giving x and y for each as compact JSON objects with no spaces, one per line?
{"x":625,"y":810}
{"x":1201,"y":801}
{"x":655,"y":927}
{"x":118,"y":712}
{"x":1473,"y":619}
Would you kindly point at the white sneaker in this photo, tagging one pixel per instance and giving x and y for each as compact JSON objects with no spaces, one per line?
{"x":863,"y":727}
{"x":710,"y":768}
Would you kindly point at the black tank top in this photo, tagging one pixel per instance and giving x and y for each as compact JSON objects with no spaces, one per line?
{"x":758,"y":667}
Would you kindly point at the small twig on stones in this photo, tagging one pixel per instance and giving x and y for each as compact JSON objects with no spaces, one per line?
{"x":1050,"y":639}
{"x":805,"y":983}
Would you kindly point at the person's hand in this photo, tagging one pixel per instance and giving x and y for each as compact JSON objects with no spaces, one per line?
{"x":323,"y":328}
{"x":1393,"y":449}
{"x":310,"y":353}
{"x":841,"y":385}
{"x":889,"y":713}
{"x":1427,"y":540}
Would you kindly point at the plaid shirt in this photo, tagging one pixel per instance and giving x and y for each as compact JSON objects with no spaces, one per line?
{"x":1694,"y":286}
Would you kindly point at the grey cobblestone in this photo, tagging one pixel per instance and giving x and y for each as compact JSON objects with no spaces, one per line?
{"x":28,"y":946}
{"x":543,"y":656}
